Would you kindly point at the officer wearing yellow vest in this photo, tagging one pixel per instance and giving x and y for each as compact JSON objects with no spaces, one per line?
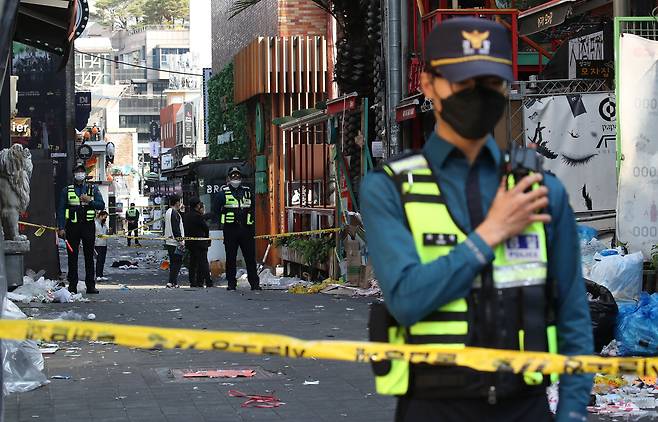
{"x":77,"y":210}
{"x":469,"y":254}
{"x":236,"y":215}
{"x":132,"y":219}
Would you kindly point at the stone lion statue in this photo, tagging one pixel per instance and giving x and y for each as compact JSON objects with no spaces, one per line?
{"x":15,"y":174}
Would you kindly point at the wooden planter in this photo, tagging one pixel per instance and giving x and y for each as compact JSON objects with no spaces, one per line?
{"x":290,"y":255}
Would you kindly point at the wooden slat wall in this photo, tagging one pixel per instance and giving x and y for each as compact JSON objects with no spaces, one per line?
{"x":281,"y":65}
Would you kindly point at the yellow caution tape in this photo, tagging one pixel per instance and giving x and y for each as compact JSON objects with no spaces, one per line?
{"x":39,"y":226}
{"x":123,"y":236}
{"x":488,"y":360}
{"x":304,"y":233}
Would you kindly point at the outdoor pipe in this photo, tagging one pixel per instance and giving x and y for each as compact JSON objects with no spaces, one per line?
{"x":394,"y":74}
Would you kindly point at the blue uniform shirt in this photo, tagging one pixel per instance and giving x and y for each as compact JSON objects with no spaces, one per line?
{"x":97,"y":203}
{"x":412,"y":290}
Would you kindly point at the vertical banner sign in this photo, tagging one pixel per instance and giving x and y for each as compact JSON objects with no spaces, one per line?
{"x":637,"y":213}
{"x":207,"y":74}
{"x":188,"y":125}
{"x":576,"y":136}
{"x":154,"y":142}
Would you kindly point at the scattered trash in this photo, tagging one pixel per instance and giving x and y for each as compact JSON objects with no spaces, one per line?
{"x":22,"y":361}
{"x":174,"y":310}
{"x":258,"y":401}
{"x":311,"y":382}
{"x":221,"y":373}
{"x":62,"y":296}
{"x":343,"y":290}
{"x":621,"y":274}
{"x":60,"y":377}
{"x":45,"y":291}
{"x":123,"y":287}
{"x":269,"y":281}
{"x":47,"y":348}
{"x":120,"y":397}
{"x":625,"y":396}
{"x":611,"y":349}
{"x":125,"y":264}
{"x":68,"y":316}
{"x":91,"y":317}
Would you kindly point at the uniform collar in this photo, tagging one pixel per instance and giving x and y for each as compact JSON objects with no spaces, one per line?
{"x":438,"y":150}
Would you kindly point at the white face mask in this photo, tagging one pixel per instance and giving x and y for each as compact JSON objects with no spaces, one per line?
{"x":79,"y":177}
{"x":235,"y":183}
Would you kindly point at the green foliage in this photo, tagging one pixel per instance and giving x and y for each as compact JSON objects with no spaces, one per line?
{"x":119,"y":14}
{"x":222,"y":112}
{"x":157,"y":12}
{"x":124,"y":14}
{"x":654,"y":257}
{"x":313,"y":250}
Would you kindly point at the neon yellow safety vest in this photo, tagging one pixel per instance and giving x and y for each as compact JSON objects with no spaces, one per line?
{"x":74,"y":204}
{"x":233,"y":207}
{"x":519,"y":268}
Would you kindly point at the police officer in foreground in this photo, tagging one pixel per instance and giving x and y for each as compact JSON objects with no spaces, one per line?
{"x":132,"y":219}
{"x":77,"y":210}
{"x":236,"y":215}
{"x":467,"y":254}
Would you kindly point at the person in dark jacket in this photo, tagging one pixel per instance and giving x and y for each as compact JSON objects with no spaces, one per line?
{"x":196,"y":226}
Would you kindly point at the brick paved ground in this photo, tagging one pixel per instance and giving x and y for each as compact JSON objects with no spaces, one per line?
{"x":115,"y":384}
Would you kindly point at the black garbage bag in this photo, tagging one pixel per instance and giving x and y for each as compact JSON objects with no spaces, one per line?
{"x":603,"y":310}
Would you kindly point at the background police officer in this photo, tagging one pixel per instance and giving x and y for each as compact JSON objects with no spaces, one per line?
{"x":236,"y":215}
{"x":132,"y":218}
{"x":465,"y":258}
{"x":77,"y":210}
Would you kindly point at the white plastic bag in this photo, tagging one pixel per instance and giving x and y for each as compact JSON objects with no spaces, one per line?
{"x":22,"y":362}
{"x":622,"y":275}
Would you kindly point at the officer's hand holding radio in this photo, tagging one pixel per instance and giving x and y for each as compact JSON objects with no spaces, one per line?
{"x":513,"y":210}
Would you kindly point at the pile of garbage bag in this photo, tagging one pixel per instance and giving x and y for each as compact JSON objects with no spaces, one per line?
{"x":22,"y":361}
{"x":637,"y":327}
{"x":603,"y":310}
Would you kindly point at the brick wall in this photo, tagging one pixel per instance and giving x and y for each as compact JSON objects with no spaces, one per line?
{"x":301,"y":17}
{"x":230,"y":36}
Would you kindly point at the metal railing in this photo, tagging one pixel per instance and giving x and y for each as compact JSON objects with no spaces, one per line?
{"x":522,"y":92}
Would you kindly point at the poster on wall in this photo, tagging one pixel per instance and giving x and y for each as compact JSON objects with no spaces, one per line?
{"x":576,"y":136}
{"x":637,"y":213}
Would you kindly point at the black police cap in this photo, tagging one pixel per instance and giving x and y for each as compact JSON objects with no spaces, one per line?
{"x":464,"y":48}
{"x":234,"y":170}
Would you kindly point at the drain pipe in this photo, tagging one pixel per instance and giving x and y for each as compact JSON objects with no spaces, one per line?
{"x":394,"y":61}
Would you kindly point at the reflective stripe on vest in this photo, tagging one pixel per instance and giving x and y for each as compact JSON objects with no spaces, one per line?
{"x":519,"y":262}
{"x":232,"y":203}
{"x":73,"y":200}
{"x":132,"y":212}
